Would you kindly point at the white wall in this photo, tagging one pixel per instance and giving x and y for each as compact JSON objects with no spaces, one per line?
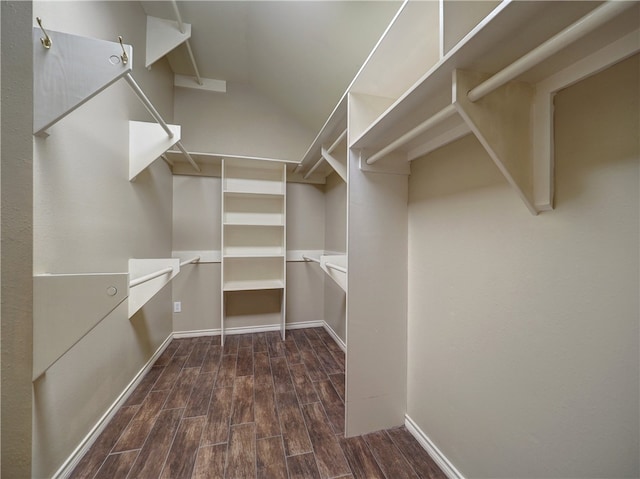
{"x":523,"y":354}
{"x":17,"y":235}
{"x":239,"y":122}
{"x":89,"y":218}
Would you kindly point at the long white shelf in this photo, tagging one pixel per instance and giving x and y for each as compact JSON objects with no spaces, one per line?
{"x":251,"y":255}
{"x":253,"y":285}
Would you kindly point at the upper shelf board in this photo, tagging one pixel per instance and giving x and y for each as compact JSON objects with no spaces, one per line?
{"x":71,"y":72}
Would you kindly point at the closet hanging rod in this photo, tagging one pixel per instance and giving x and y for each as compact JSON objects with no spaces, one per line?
{"x":313,"y":168}
{"x":336,"y":267}
{"x":589,"y":22}
{"x":176,"y":10}
{"x":442,"y":115}
{"x":307,"y":258}
{"x":154,"y":113}
{"x":189,"y":261}
{"x":149,"y":277}
{"x":338,"y":140}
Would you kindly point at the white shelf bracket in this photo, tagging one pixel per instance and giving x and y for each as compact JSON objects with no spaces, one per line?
{"x":337,"y":166}
{"x":502,"y":123}
{"x":147,"y":142}
{"x":163,"y":36}
{"x":71,"y":72}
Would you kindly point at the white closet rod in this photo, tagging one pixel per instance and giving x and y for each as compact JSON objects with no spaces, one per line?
{"x":149,"y":277}
{"x":336,"y":267}
{"x":331,"y":148}
{"x":181,"y":27}
{"x":307,"y":258}
{"x":189,"y":261}
{"x":589,"y":22}
{"x":442,"y":115}
{"x":154,"y":113}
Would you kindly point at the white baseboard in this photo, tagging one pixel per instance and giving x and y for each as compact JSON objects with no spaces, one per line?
{"x":335,"y":336}
{"x":247,"y":329}
{"x":427,"y":444}
{"x":72,"y":461}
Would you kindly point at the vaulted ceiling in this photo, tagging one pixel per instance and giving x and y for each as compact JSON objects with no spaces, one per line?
{"x":300,"y":54}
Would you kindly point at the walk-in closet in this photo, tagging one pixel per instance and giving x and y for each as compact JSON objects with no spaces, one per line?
{"x":320,"y":239}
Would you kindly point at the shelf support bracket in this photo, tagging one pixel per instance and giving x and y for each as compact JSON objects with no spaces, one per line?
{"x":337,"y":166}
{"x":502,"y":123}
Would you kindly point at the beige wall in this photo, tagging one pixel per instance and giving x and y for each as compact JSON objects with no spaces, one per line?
{"x":89,"y":218}
{"x":523,"y":331}
{"x":16,"y":211}
{"x":239,"y":122}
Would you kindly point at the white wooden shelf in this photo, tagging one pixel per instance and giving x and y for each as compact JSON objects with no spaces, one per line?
{"x":253,"y":285}
{"x":253,"y":255}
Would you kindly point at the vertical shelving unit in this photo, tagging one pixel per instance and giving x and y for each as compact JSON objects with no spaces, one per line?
{"x":253,"y":229}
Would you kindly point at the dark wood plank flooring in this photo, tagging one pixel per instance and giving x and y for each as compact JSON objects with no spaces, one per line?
{"x":258,"y":408}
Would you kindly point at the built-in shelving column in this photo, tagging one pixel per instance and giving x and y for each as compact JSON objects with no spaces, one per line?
{"x":253,"y":229}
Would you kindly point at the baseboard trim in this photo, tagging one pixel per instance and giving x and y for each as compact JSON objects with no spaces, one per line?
{"x":72,"y":461}
{"x":247,"y":329}
{"x":436,"y":454}
{"x":335,"y":336}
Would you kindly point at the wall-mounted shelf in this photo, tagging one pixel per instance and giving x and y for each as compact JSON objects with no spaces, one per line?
{"x":147,"y":277}
{"x":163,"y":36}
{"x":147,"y":142}
{"x":71,"y":72}
{"x":334,"y":265}
{"x":541,"y":43}
{"x":67,"y":307}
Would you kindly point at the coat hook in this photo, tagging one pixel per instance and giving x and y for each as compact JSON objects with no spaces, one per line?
{"x":125,"y":58}
{"x":46,"y":41}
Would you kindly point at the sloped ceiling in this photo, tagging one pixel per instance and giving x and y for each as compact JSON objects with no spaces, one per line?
{"x":300,"y":54}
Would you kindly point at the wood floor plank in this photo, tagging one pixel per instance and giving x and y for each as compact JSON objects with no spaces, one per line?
{"x":388,"y":456}
{"x":241,"y":455}
{"x":328,"y":340}
{"x":265,"y":410}
{"x":328,"y":361}
{"x":422,"y":463}
{"x":231,"y":344}
{"x":275,"y":345}
{"x":314,"y":368}
{"x":143,"y":388}
{"x":182,"y":455}
{"x":270,"y":459}
{"x":294,"y":430}
{"x":242,"y":404}
{"x":340,"y":358}
{"x":291,"y":351}
{"x":210,"y":462}
{"x":338,"y":381}
{"x":302,"y":384}
{"x":217,"y":427}
{"x":227,"y":371}
{"x":260,"y":343}
{"x":179,"y":395}
{"x":280,"y":372}
{"x":361,"y":460}
{"x":90,"y":463}
{"x":244,"y":366}
{"x":200,"y":398}
{"x":135,"y":434}
{"x":212,"y":359}
{"x":196,"y":357}
{"x":117,"y":465}
{"x":329,"y":455}
{"x":167,"y":354}
{"x":262,"y":368}
{"x":300,"y":338}
{"x":186,"y":345}
{"x":303,"y":466}
{"x":245,"y":341}
{"x":332,"y":403}
{"x":153,"y":455}
{"x":170,"y":374}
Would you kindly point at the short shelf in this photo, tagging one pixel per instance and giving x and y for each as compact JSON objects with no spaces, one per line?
{"x":253,"y":285}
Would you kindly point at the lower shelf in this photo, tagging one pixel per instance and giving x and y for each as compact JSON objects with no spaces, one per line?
{"x":253,"y":285}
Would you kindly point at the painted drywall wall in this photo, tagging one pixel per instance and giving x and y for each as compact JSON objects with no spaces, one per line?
{"x":16,"y":199}
{"x":335,"y":240}
{"x":523,"y":354}
{"x":196,"y":227}
{"x":88,"y":218}
{"x":239,"y":122}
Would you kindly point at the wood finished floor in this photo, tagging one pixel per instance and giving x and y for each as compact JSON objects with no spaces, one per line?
{"x":258,"y":408}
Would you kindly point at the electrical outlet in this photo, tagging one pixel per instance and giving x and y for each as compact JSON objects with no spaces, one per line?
{"x":177,"y":307}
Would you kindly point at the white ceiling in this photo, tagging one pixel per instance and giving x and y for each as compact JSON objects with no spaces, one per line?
{"x":300,"y":54}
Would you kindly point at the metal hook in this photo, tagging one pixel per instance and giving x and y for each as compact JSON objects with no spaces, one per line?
{"x":125,"y":58}
{"x":46,"y":41}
